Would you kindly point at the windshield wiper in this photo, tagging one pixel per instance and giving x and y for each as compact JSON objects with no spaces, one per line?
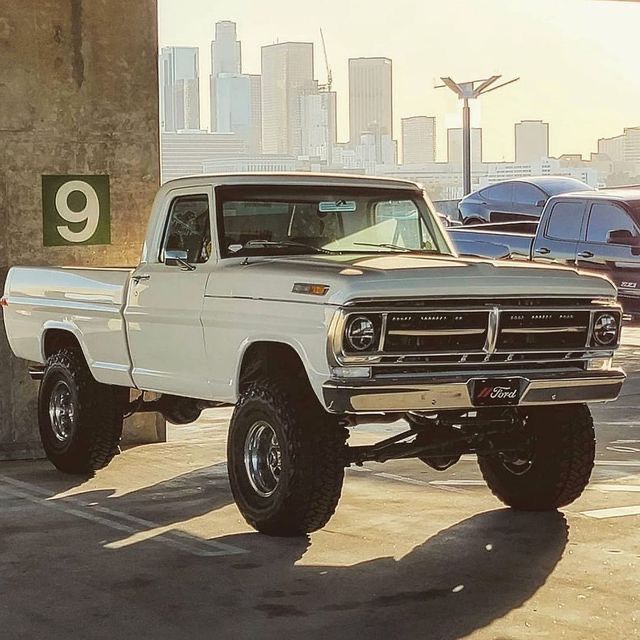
{"x":397,"y":247}
{"x":284,"y":243}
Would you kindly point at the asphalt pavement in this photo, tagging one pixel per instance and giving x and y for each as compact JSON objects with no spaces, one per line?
{"x":153,"y":547}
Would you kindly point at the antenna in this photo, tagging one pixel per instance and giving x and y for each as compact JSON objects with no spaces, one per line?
{"x":326,"y":87}
{"x":470,"y":91}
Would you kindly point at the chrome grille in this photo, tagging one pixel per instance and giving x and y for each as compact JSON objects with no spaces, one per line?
{"x":528,"y":330}
{"x":436,"y":331}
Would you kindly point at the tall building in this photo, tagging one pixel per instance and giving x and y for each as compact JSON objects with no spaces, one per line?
{"x":179,"y":89}
{"x":532,"y":141}
{"x":238,"y":108}
{"x":612,"y":147}
{"x":226,"y":57}
{"x":632,"y":144}
{"x":287,"y":74}
{"x":418,"y":139}
{"x":318,"y":125}
{"x":454,"y":145}
{"x":371,"y":102}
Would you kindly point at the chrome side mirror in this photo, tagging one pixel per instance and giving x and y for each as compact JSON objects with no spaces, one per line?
{"x":177,"y":258}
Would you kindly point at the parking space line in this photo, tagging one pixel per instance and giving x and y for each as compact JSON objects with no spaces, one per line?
{"x":614,"y":512}
{"x":118,"y":520}
{"x":617,"y":487}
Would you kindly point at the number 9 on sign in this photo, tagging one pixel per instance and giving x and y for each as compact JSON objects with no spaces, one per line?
{"x":75,"y":210}
{"x":90,"y":213}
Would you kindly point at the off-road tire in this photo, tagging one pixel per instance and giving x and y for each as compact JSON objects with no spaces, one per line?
{"x":313,"y":453}
{"x":562,"y":443}
{"x":97,"y":420}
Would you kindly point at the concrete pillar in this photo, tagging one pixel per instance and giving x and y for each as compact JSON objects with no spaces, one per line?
{"x":78,"y":96}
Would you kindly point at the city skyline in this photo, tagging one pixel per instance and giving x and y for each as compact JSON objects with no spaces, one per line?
{"x":599,"y":58}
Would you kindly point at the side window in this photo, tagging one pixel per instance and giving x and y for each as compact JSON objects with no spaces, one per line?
{"x":524,"y":193}
{"x":606,"y":217}
{"x":565,"y":221}
{"x":498,"y":192}
{"x":188,"y":228}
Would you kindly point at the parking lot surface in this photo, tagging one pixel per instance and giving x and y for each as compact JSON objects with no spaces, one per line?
{"x":153,"y":547}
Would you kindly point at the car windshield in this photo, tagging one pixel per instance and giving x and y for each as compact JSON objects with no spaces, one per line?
{"x":267,"y":220}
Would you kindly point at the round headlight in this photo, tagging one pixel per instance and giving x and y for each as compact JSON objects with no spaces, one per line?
{"x":605,"y":329}
{"x":360,"y":333}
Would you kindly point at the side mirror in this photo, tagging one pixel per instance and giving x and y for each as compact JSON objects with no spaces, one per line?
{"x":177,"y":258}
{"x":541,"y":203}
{"x":622,"y":236}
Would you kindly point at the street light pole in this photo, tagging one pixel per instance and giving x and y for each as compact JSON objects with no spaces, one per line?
{"x":470,"y":91}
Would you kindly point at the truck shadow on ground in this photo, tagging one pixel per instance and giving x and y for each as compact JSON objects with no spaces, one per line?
{"x":456,"y":581}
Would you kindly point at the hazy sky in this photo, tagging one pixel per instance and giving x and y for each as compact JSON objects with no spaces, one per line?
{"x":578,"y":60}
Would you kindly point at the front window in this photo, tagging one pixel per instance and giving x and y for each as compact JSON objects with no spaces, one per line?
{"x":267,"y":220}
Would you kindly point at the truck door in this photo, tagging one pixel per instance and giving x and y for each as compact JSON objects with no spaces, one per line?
{"x":612,"y":247}
{"x":559,"y":233}
{"x":164,"y":312}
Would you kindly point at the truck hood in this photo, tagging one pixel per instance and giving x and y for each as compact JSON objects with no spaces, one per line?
{"x":352,"y":276}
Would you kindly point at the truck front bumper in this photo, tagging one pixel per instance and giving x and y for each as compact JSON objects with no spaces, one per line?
{"x":535,"y":388}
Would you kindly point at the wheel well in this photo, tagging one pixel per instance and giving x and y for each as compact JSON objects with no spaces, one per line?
{"x":56,"y":339}
{"x":270,"y":359}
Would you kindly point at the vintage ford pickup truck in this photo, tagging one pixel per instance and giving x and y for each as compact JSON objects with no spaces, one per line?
{"x":315,"y":303}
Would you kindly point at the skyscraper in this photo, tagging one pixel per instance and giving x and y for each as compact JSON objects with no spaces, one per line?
{"x":179,"y":89}
{"x":418,"y":140}
{"x":612,"y":147}
{"x":454,"y":145}
{"x":371,"y":102}
{"x":532,"y":141}
{"x":226,"y":57}
{"x":238,"y":108}
{"x":318,"y":125}
{"x":287,"y":74}
{"x":632,"y":144}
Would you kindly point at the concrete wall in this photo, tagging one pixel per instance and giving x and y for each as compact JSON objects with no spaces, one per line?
{"x":78,"y":95}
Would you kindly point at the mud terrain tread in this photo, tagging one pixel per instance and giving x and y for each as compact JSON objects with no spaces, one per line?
{"x":564,"y":459}
{"x":315,"y":445}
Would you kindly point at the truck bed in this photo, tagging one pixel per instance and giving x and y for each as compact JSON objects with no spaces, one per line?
{"x":492,"y":241}
{"x":89,"y":302}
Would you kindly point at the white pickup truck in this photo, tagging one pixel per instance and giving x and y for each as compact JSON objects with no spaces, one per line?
{"x":313,"y":304}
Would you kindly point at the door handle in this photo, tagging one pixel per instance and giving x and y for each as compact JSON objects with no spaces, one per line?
{"x":137,"y":279}
{"x":543,"y":251}
{"x":585,"y":254}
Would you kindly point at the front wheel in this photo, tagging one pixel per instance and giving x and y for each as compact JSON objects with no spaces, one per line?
{"x":286,"y":459}
{"x":554,"y":464}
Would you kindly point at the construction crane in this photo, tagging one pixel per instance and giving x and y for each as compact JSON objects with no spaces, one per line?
{"x":327,"y":86}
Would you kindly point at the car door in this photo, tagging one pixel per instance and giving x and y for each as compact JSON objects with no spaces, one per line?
{"x":164,"y":312}
{"x":497,"y":200}
{"x":612,"y":246}
{"x":528,"y":201}
{"x":558,"y":236}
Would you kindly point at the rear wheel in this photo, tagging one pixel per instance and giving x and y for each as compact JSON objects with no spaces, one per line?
{"x":554,"y":464}
{"x":286,"y":459}
{"x":80,"y":420}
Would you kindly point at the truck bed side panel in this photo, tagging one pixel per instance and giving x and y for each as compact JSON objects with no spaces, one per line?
{"x":86,"y":302}
{"x":477,"y":242}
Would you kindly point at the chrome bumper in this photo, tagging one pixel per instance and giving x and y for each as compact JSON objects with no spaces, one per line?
{"x":537,"y":388}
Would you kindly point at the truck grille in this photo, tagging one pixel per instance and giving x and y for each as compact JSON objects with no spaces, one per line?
{"x":436,"y":331}
{"x":527,"y":330}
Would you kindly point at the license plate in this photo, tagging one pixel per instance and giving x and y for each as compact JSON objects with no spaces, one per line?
{"x":496,"y":391}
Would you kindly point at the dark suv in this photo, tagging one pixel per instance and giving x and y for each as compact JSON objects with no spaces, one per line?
{"x":515,"y":200}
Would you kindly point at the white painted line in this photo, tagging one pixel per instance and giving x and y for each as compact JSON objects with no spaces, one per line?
{"x":117,"y":520}
{"x":617,"y":487}
{"x":618,"y":463}
{"x":414,"y":481}
{"x":615,"y":512}
{"x":459,"y":483}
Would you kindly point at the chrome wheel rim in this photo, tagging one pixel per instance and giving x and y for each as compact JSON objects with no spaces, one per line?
{"x":61,"y":411}
{"x":263,"y":458}
{"x":518,"y":464}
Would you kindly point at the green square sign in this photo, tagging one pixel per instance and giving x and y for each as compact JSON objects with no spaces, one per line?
{"x":75,"y":210}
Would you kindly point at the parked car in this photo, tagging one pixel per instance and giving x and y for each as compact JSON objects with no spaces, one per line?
{"x":513,"y":200}
{"x":594,"y":231}
{"x":313,"y":304}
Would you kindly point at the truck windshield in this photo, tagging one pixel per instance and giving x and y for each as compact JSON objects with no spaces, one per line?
{"x":267,"y":220}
